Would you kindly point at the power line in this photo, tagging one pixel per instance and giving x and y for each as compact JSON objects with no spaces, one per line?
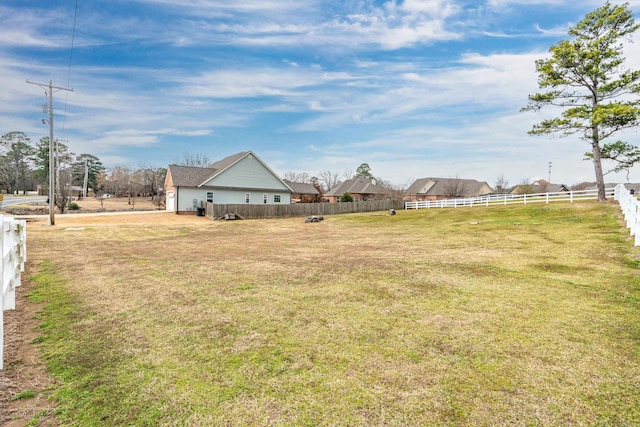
{"x":73,"y":37}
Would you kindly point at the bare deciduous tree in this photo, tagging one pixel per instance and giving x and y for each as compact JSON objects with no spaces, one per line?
{"x":394,"y":191}
{"x":455,"y":187}
{"x":329,"y":179}
{"x":118,"y":180}
{"x":152,"y":180}
{"x":348,"y":174}
{"x":501,"y":184}
{"x":525,"y":187}
{"x":298,"y":177}
{"x":199,"y":160}
{"x":63,"y":190}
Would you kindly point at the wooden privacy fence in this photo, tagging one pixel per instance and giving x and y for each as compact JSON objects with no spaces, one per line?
{"x":508,"y":199}
{"x":14,"y":254}
{"x":630,"y":207}
{"x":299,"y":209}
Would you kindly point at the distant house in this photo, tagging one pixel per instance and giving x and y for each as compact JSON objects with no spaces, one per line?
{"x":237,"y":179}
{"x":609,"y":187}
{"x":304,"y":192}
{"x":445,"y":188}
{"x":360,"y":188}
{"x":540,"y":186}
{"x":631,"y":186}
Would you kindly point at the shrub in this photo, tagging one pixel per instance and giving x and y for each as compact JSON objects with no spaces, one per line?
{"x":346,"y":197}
{"x":73,"y":206}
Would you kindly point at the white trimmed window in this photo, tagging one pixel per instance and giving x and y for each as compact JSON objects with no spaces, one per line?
{"x":276,"y":198}
{"x":209,"y":196}
{"x":265,"y":198}
{"x":247,"y":198}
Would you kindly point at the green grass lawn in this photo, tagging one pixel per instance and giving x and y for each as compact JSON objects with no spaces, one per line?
{"x":515,"y":315}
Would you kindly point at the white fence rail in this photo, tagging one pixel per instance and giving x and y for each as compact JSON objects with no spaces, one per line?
{"x":14,"y":253}
{"x":630,"y":207}
{"x":508,"y":199}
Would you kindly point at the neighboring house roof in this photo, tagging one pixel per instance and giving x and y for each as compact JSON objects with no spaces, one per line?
{"x":547,"y":187}
{"x":192,"y":176}
{"x":553,"y":188}
{"x":302,"y":187}
{"x":610,"y":186}
{"x":357,"y":185}
{"x":632,"y":186}
{"x":445,"y":186}
{"x":540,"y":187}
{"x":584,"y":186}
{"x":420,"y":186}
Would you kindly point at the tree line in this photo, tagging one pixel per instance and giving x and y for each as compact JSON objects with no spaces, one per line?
{"x":327,"y":179}
{"x":24,"y":167}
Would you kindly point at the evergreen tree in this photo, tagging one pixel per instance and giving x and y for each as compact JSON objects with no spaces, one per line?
{"x":585,"y":76}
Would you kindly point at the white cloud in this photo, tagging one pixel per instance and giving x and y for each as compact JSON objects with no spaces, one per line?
{"x":353,"y":81}
{"x":560,"y":31}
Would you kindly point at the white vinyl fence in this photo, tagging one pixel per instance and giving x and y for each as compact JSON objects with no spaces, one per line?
{"x":630,"y":207}
{"x":508,"y":199}
{"x":14,"y":253}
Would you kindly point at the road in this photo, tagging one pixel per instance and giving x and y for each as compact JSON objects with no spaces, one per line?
{"x":12,"y":199}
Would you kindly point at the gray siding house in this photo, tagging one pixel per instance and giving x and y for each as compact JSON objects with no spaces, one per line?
{"x":238,"y":179}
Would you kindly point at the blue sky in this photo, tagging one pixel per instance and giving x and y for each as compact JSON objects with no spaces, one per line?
{"x":414,"y":88}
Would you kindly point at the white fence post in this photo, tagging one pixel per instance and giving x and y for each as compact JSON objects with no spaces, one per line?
{"x":636,"y":225}
{"x":13,"y":247}
{"x":630,"y":207}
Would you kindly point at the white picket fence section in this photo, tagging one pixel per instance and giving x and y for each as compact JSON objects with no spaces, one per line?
{"x":508,"y":199}
{"x":630,"y":207}
{"x":14,"y":254}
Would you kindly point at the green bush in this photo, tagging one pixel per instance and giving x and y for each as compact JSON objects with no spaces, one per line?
{"x":73,"y":206}
{"x":346,"y":197}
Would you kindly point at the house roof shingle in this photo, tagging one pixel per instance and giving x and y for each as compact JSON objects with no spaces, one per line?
{"x":302,"y":187}
{"x":444,"y":186}
{"x":220,"y":165}
{"x":357,"y":185}
{"x":418,"y":186}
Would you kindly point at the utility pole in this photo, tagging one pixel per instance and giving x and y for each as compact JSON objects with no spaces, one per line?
{"x":49,"y":88}
{"x":549,"y":173}
{"x":85,"y":183}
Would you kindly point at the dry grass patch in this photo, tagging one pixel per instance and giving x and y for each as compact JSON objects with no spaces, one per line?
{"x":514,"y":315}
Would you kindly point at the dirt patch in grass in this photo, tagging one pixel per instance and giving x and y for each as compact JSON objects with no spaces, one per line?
{"x":25,"y":382}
